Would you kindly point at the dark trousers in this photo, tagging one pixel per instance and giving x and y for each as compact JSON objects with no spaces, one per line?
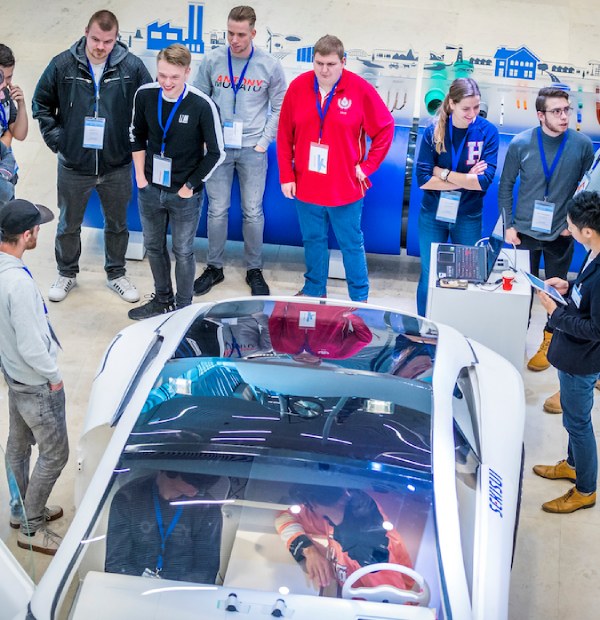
{"x":74,"y":191}
{"x":557,"y":254}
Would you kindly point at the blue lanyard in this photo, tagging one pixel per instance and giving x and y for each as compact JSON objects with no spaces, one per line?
{"x":161,"y":528}
{"x":3,"y":119}
{"x":549,"y":172}
{"x":236,"y":87}
{"x":96,"y":86}
{"x":165,"y":129}
{"x":323,"y":111}
{"x":456,"y":153}
{"x":52,"y":332}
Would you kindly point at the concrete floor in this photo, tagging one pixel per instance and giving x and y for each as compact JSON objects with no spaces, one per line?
{"x":556,"y":568}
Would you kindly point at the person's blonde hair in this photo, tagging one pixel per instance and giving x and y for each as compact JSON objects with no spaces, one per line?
{"x":459,"y":90}
{"x":175,"y":54}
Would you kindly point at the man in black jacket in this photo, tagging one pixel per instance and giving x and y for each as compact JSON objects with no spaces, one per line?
{"x":83,"y":102}
{"x":575,"y":352}
{"x":177,"y":144}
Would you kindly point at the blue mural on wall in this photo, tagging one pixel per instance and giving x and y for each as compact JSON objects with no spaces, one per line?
{"x":518,"y":63}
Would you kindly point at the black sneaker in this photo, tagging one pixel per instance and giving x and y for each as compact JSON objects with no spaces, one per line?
{"x":258,"y":286}
{"x":150,"y":308}
{"x":212,"y":275}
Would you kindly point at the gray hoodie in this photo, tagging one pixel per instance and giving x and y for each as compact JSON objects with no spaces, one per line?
{"x":27,"y":350}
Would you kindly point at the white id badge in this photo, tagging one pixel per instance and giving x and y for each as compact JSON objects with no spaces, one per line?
{"x":161,"y":170}
{"x":543,"y":212}
{"x":576,"y":295}
{"x":93,"y":132}
{"x":317,"y":158}
{"x":232,"y":134}
{"x":448,"y":207}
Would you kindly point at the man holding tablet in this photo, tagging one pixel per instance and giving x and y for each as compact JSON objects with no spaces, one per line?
{"x":575,"y":352}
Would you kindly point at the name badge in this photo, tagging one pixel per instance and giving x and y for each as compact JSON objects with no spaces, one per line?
{"x":448,"y":207}
{"x":576,"y":295}
{"x":317,"y":157}
{"x":161,"y":170}
{"x":543,"y":212}
{"x":232,"y":134}
{"x":93,"y":132}
{"x":307,"y":319}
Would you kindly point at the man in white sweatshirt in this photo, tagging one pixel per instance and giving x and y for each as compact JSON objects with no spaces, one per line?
{"x":36,"y":399}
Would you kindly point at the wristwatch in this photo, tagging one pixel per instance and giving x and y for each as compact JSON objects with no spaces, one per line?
{"x":444,"y":174}
{"x":189,"y":185}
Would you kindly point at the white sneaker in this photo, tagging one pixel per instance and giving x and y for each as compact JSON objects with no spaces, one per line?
{"x":124,"y":288}
{"x":43,"y":540}
{"x":61,"y":287}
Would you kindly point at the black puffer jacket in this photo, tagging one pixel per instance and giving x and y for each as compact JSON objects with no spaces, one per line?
{"x":64,"y":96}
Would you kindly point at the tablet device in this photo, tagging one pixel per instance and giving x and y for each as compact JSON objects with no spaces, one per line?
{"x":540,"y":285}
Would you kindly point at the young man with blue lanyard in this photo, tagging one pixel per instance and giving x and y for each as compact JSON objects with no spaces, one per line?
{"x":177,"y":144}
{"x":549,"y":161}
{"x":165,"y":526}
{"x":324,"y":165}
{"x":248,"y":85}
{"x":83,"y":104}
{"x":13,"y":123}
{"x":36,"y":397}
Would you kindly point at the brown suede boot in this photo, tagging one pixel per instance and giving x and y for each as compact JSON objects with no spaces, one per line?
{"x":539,"y":361}
{"x":552,"y":404}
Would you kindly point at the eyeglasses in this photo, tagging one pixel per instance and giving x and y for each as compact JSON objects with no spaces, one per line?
{"x":558,"y":111}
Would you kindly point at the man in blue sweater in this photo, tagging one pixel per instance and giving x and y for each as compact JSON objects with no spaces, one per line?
{"x":549,"y":160}
{"x":575,"y":352}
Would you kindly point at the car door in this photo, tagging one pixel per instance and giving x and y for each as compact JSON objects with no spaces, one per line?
{"x":16,"y":584}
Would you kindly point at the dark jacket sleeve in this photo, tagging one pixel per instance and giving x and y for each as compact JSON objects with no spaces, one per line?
{"x":207,"y":546}
{"x":45,"y":107}
{"x":119,"y":547}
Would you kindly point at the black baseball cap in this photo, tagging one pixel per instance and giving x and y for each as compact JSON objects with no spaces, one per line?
{"x":17,"y":216}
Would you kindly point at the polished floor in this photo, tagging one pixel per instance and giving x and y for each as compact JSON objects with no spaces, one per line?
{"x":556,"y":574}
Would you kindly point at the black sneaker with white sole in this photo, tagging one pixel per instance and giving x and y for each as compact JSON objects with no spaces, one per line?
{"x":151,"y":308}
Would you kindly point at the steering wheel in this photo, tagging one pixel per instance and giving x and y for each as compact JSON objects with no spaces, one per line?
{"x":384,"y":592}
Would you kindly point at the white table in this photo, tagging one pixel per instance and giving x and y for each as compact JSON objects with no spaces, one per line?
{"x":498,"y":319}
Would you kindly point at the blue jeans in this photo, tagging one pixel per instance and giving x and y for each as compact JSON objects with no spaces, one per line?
{"x":8,"y":178}
{"x":251,"y":168}
{"x":158,"y":210}
{"x":74,"y":191}
{"x":345,"y":221}
{"x":36,"y":416}
{"x":465,"y":231}
{"x":577,"y":400}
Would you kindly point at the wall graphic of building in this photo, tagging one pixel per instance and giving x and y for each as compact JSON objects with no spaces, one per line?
{"x":518,"y":63}
{"x":162,"y":35}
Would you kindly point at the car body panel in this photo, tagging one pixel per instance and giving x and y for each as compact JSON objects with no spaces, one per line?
{"x":142,"y":361}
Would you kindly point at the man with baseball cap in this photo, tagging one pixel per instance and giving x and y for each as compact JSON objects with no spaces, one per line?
{"x":36,"y":398}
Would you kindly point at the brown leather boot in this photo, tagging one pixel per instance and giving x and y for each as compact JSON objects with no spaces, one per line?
{"x":552,"y":404}
{"x":561,"y":471}
{"x":539,"y":361}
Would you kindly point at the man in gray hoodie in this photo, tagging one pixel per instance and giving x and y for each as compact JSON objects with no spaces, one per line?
{"x":247,"y":84}
{"x":36,"y":398}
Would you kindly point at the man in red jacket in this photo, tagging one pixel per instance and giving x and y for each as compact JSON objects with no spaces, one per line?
{"x":323,"y":163}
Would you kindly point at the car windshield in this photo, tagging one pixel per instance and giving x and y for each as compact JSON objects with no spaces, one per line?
{"x":269,"y":458}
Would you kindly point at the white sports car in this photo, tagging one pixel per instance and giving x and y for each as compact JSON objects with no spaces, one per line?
{"x":294,"y":458}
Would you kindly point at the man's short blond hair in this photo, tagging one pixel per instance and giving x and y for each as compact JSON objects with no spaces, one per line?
{"x":175,"y":54}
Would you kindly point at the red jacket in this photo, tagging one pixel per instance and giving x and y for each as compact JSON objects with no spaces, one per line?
{"x":337,"y":333}
{"x":356,"y":111}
